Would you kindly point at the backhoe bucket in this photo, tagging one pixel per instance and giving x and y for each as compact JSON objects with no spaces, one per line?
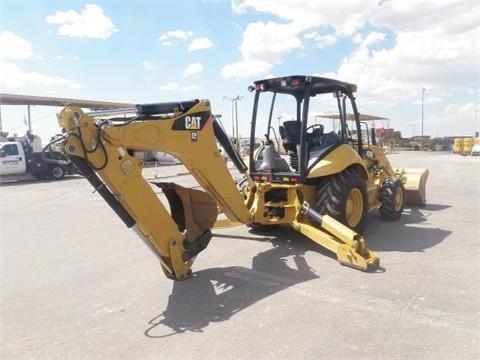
{"x":415,"y":184}
{"x":194,"y":211}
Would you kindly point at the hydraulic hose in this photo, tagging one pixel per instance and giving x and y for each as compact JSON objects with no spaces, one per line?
{"x":229,"y":149}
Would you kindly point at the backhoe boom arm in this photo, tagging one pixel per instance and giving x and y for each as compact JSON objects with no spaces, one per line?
{"x":99,"y":147}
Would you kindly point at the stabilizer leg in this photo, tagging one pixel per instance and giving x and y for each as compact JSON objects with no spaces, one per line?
{"x":350,"y":247}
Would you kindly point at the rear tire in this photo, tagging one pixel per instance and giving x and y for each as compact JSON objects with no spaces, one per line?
{"x":344,"y":197}
{"x":56,"y":172}
{"x":392,"y":199}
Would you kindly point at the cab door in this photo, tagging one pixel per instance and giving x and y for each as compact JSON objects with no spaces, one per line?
{"x":12,"y":159}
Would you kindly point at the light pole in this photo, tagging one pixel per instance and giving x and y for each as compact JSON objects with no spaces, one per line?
{"x":413,"y":128}
{"x":234,"y":100}
{"x":423,"y":95}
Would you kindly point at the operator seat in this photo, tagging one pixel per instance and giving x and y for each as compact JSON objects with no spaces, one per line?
{"x":290,"y":134}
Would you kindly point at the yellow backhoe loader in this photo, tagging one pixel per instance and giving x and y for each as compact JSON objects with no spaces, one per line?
{"x":323,"y":187}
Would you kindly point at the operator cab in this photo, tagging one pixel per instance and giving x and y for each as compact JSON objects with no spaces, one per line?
{"x":302,"y":124}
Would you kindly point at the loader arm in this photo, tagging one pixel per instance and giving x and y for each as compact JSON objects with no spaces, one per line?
{"x":101,"y":150}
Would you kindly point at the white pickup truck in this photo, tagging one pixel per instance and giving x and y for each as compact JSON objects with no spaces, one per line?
{"x":14,"y":161}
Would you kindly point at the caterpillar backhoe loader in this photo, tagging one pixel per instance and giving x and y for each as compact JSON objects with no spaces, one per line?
{"x":323,"y":191}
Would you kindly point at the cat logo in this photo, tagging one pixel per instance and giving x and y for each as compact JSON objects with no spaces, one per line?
{"x":192,"y":122}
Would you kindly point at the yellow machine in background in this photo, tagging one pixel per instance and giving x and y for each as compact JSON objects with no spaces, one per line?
{"x":458,"y":146}
{"x":323,"y":189}
{"x":466,"y":146}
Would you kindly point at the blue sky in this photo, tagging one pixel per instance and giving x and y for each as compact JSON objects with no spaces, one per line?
{"x":154,"y":51}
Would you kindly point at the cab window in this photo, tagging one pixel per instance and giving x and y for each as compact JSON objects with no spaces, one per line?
{"x":9,"y":150}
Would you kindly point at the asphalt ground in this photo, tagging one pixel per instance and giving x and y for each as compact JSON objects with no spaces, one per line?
{"x":77,"y":284}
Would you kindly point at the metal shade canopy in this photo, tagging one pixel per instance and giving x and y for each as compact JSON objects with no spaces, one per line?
{"x":351,"y":117}
{"x":15,"y":99}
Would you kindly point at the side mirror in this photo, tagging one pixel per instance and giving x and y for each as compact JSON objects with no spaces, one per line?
{"x":2,"y":153}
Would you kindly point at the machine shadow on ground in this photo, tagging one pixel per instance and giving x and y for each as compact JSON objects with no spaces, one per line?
{"x":217,"y":294}
{"x":410,"y":233}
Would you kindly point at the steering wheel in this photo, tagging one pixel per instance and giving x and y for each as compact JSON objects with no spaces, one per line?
{"x":314,"y":134}
{"x":313,"y":128}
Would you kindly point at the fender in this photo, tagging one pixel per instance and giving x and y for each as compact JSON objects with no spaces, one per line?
{"x":336,"y":161}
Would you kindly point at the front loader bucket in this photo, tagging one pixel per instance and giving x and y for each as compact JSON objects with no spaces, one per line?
{"x":415,"y":186}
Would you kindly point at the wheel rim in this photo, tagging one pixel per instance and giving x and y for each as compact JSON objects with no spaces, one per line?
{"x":398,"y":199}
{"x":57,"y":172}
{"x":354,"y":207}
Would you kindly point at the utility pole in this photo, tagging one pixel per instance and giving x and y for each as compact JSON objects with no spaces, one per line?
{"x":475,"y":123}
{"x":234,"y":100}
{"x":423,"y":95}
{"x":413,"y":125}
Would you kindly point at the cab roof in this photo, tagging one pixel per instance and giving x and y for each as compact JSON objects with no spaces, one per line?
{"x":297,"y":84}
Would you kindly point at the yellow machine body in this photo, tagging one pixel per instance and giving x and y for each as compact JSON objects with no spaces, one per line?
{"x":272,"y":192}
{"x":176,"y":236}
{"x":375,"y":168}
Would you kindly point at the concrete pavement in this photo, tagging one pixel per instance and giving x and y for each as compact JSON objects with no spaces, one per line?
{"x":75,"y":283}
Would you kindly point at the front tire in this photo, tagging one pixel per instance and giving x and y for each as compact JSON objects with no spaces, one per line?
{"x":392,"y":199}
{"x":344,"y":197}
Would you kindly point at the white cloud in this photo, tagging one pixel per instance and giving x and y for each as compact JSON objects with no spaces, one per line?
{"x":200,"y":44}
{"x":268,"y":41}
{"x":418,"y":59}
{"x":167,"y":39}
{"x":432,"y":44}
{"x":11,"y":76}
{"x":345,"y":17}
{"x":372,"y":38}
{"x":263,"y":45}
{"x":272,"y":41}
{"x":149,"y":65}
{"x":90,"y":23}
{"x":245,"y":69}
{"x":321,"y":40}
{"x":64,"y":58}
{"x":447,"y":16}
{"x":457,"y":119}
{"x":429,"y":100}
{"x":173,"y":86}
{"x":193,"y":69}
{"x":14,"y":47}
